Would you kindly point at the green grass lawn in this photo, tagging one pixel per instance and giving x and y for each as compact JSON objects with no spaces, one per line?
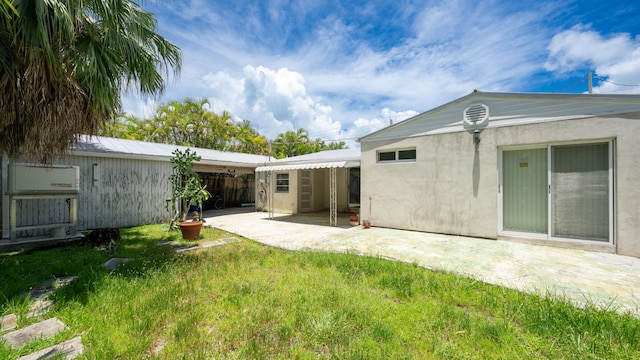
{"x":243,"y":300}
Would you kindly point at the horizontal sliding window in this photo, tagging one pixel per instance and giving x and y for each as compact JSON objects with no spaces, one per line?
{"x":407,"y":154}
{"x":397,"y":155}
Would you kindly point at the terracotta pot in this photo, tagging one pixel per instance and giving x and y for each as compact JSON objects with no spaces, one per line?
{"x":191,"y":230}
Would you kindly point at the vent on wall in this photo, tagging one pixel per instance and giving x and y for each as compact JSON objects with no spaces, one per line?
{"x":476,"y":114}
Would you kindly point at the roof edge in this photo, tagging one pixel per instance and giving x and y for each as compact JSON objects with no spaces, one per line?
{"x":504,"y":95}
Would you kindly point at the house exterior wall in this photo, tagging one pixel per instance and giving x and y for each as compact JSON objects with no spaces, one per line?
{"x":289,"y":203}
{"x":342,"y":188}
{"x":452,"y":188}
{"x":319,"y":189}
{"x":126,"y":192}
{"x":286,"y":203}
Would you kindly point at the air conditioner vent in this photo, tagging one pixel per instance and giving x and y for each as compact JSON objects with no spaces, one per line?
{"x":476,"y":114}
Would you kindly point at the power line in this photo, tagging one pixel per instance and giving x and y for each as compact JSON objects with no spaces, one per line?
{"x":572,"y":84}
{"x":601,"y":78}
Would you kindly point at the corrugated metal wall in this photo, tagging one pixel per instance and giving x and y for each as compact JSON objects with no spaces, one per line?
{"x":126,"y":192}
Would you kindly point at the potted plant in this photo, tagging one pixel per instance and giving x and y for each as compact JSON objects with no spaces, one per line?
{"x":187,"y":191}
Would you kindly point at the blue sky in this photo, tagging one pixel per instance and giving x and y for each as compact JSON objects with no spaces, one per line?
{"x":342,"y":69}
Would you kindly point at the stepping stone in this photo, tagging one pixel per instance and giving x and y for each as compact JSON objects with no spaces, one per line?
{"x":8,"y":322}
{"x":165,"y":243}
{"x":113,"y":263}
{"x":40,"y":294}
{"x":48,"y":287}
{"x":186,"y":248}
{"x":69,"y":349}
{"x":219,"y":242}
{"x":40,"y":307}
{"x":48,"y":328}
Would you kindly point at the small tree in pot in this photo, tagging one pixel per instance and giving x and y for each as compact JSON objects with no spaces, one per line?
{"x":187,"y":191}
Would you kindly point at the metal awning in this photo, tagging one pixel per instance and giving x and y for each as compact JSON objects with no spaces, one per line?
{"x":307,"y":166}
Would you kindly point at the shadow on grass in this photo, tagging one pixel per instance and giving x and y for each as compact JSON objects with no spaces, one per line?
{"x":24,"y":270}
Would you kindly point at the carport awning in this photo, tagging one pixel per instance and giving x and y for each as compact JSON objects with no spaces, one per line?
{"x":318,"y":165}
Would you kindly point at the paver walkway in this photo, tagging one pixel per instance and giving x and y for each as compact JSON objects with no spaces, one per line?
{"x":604,"y":279}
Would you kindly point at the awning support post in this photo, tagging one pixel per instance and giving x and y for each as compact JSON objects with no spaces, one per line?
{"x":333,"y":198}
{"x":272,"y":186}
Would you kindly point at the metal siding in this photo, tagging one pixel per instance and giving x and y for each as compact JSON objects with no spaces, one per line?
{"x":128,"y":193}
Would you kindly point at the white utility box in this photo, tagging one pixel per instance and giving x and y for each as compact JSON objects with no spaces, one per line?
{"x":43,"y":179}
{"x":31,"y":182}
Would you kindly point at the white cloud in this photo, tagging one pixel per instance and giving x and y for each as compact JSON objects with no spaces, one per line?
{"x":615,"y":59}
{"x":363,"y":126}
{"x":454,"y":48}
{"x":336,"y":71}
{"x":136,"y":106}
{"x":274,"y":101}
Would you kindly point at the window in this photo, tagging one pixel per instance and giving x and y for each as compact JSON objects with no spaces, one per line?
{"x":397,"y":155}
{"x":387,"y":156}
{"x":282,"y":183}
{"x":407,"y":154}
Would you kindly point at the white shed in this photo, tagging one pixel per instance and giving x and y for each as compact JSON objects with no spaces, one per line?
{"x":122,"y":183}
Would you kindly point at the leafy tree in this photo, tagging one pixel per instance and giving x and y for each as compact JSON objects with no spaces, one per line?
{"x":297,"y":143}
{"x":247,"y":140}
{"x":190,"y":123}
{"x":291,"y":143}
{"x":64,"y":64}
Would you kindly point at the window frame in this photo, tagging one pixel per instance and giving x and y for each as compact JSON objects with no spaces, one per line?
{"x":397,"y":155}
{"x":282,"y":188}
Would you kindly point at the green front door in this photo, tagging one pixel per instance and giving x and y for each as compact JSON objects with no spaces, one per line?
{"x":525,"y":186}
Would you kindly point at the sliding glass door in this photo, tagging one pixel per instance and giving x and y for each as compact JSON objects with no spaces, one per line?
{"x":580,"y":191}
{"x":561,"y":191}
{"x":525,"y":190}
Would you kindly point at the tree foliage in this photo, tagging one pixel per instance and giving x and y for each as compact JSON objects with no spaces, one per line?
{"x":187,"y":186}
{"x":190,"y":122}
{"x":64,"y":64}
{"x":297,"y":143}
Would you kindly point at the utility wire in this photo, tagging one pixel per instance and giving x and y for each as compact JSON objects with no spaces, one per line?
{"x":601,"y":78}
{"x":572,"y":85}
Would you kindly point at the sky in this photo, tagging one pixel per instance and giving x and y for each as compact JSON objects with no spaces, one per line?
{"x":343,"y":69}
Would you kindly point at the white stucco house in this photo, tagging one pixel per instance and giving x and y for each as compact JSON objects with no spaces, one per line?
{"x":553,"y":169}
{"x":326,"y":180}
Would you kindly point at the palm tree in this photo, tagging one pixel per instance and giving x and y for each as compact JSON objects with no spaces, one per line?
{"x":64,"y":64}
{"x":291,"y":143}
{"x":247,"y":140}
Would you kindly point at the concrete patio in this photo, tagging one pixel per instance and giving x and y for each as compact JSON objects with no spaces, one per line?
{"x":607,"y":280}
